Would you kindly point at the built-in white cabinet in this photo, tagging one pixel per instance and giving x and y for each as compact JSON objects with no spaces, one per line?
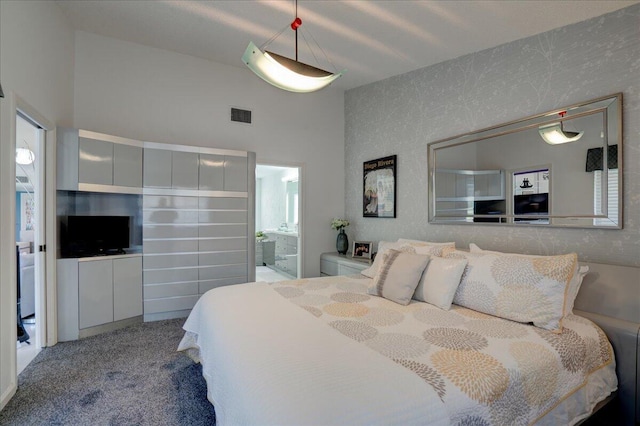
{"x":89,"y":161}
{"x":197,"y":224}
{"x":211,"y":170}
{"x":94,"y":293}
{"x":127,"y":165}
{"x":171,"y":169}
{"x":184,"y":170}
{"x":339,"y":264}
{"x":157,"y":168}
{"x":285,"y":253}
{"x":470,"y":185}
{"x":95,"y":162}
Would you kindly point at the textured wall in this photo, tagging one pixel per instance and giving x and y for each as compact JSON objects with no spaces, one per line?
{"x":400,"y":115}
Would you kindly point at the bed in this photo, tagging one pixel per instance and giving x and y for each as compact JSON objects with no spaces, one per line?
{"x":327,"y":351}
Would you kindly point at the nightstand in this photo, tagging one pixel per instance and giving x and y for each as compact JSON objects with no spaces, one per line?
{"x":340,"y":264}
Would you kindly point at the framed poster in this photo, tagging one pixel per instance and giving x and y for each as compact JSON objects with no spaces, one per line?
{"x":379,"y":187}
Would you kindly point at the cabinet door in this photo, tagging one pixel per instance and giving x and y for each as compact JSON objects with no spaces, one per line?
{"x":184,"y":170}
{"x":127,"y":165}
{"x":95,"y":292}
{"x":95,"y":162}
{"x":235,"y":173}
{"x":157,"y":168}
{"x":211,"y":172}
{"x":127,"y":288}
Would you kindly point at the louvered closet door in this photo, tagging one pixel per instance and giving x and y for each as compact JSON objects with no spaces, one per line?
{"x":170,"y":263}
{"x":195,"y":239}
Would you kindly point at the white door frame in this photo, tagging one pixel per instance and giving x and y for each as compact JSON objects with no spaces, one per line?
{"x":301,"y":203}
{"x":47,"y":293}
{"x":8,"y":311}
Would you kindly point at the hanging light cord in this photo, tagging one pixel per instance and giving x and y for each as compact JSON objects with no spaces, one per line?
{"x":295,"y":25}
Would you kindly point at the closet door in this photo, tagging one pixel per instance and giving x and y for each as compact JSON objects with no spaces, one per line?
{"x":157,"y":168}
{"x":184,"y":170}
{"x":95,"y":291}
{"x":95,"y":162}
{"x":127,"y":165}
{"x":211,"y":172}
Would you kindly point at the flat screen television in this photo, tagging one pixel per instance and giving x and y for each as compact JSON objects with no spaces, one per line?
{"x":95,"y":235}
{"x":533,"y":204}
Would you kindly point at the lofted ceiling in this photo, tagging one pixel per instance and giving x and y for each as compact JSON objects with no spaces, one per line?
{"x":372,"y":40}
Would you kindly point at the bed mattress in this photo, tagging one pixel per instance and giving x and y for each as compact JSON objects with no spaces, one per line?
{"x":323,"y":351}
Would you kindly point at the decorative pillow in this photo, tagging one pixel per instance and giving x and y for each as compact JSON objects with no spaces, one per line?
{"x":516,"y":287}
{"x":398,"y":276}
{"x":440,"y":281}
{"x":431,"y":249}
{"x":574,"y":286}
{"x":425,"y":243}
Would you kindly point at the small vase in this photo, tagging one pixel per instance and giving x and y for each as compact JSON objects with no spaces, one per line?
{"x":342,"y":242}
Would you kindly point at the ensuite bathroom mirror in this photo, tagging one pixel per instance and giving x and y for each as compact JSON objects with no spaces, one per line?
{"x":560,"y":168}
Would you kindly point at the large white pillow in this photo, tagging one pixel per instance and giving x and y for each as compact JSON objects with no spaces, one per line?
{"x":398,"y":276}
{"x":431,"y":249}
{"x":574,"y":286}
{"x":519,"y":288}
{"x":425,"y":243}
{"x":440,"y":281}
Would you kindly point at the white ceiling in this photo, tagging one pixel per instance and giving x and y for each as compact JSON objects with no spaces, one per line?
{"x":372,"y":40}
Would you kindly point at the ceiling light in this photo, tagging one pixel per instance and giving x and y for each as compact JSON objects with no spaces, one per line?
{"x":24,"y":156}
{"x":554,"y":133}
{"x":284,"y":73}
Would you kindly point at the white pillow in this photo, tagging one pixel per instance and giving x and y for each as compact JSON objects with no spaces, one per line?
{"x":516,"y":287}
{"x":440,"y":281}
{"x":574,"y":286}
{"x":420,"y":247}
{"x":398,"y":276}
{"x":423,"y":243}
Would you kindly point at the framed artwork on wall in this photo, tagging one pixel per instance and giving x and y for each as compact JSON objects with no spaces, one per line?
{"x":379,"y":187}
{"x":362,"y":249}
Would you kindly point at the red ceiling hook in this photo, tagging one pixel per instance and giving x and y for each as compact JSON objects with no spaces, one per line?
{"x":296,"y":24}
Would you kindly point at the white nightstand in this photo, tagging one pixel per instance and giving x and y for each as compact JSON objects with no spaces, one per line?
{"x":340,"y":264}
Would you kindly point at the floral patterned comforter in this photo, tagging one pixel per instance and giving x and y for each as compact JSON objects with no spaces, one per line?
{"x":485,"y":369}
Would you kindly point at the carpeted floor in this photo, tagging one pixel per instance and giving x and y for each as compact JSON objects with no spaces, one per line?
{"x":132,"y":376}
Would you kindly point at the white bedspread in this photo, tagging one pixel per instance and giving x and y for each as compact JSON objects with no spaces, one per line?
{"x":259,"y":372}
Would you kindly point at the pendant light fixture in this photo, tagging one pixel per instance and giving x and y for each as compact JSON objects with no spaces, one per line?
{"x":284,"y":73}
{"x":25,"y":156}
{"x":555,"y":134}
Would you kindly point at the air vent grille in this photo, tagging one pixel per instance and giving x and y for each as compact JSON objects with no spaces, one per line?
{"x":241,"y":115}
{"x":22,"y":179}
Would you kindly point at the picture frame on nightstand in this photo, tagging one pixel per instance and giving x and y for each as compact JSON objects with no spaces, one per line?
{"x":362,"y":249}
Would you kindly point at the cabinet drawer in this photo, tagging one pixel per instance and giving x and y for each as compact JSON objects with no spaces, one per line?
{"x":328,"y":268}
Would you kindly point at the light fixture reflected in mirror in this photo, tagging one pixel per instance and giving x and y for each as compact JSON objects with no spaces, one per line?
{"x":284,"y":73}
{"x":25,"y":156}
{"x":555,"y":134}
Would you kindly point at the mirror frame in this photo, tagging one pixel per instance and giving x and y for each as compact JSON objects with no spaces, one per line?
{"x":608,"y":105}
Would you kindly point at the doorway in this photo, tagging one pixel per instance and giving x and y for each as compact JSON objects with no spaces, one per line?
{"x":279,"y":233}
{"x":30,"y":260}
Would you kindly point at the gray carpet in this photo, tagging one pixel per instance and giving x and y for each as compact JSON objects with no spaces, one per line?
{"x":132,"y":376}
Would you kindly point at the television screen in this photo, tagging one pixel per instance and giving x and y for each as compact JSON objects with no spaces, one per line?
{"x":533,"y":204}
{"x":95,"y":235}
{"x":489,"y":207}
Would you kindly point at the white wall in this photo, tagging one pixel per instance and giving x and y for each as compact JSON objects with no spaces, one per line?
{"x":402,"y":114}
{"x":144,"y":93}
{"x":273,"y":201}
{"x":36,"y":63}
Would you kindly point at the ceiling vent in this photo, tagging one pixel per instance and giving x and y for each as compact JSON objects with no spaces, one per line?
{"x":241,"y":115}
{"x":22,"y":179}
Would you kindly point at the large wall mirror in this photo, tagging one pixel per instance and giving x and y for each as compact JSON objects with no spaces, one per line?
{"x":561,"y":168}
